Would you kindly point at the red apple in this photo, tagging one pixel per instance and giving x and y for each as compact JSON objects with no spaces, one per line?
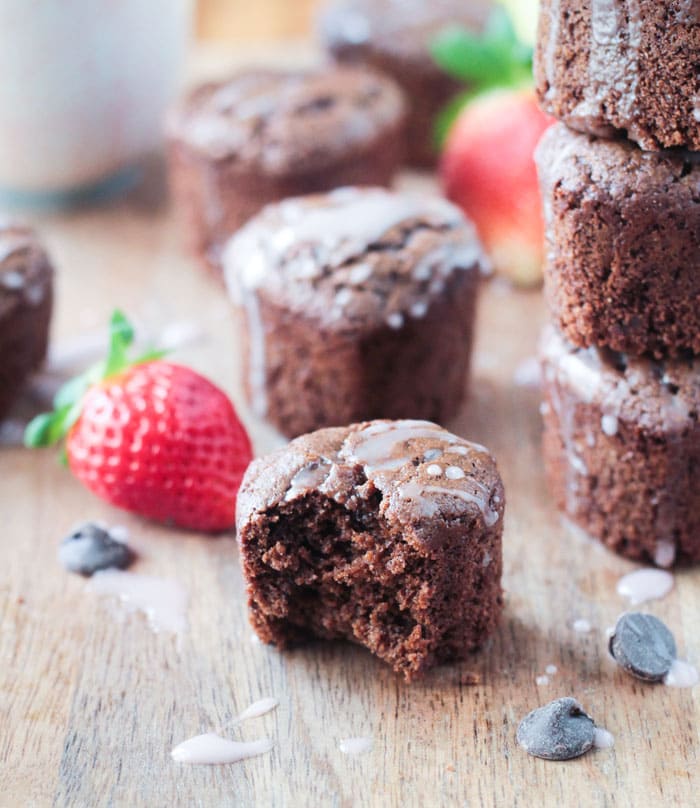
{"x":488,"y":169}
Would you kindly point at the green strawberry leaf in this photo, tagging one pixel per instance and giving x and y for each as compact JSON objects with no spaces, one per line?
{"x":121,"y":338}
{"x":468,"y":57}
{"x":494,"y":58}
{"x":49,"y":428}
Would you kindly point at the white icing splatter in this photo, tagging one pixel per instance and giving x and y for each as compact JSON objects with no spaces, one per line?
{"x":551,"y":49}
{"x":582,"y":626}
{"x":419,"y":309}
{"x":541,"y":681}
{"x":434,"y":470}
{"x":613,"y":62}
{"x":603,"y":739}
{"x":360,"y":273}
{"x":258,"y":708}
{"x":609,"y":425}
{"x":161,"y":600}
{"x":665,"y":553}
{"x":343,"y":297}
{"x":455,"y":473}
{"x":211,"y":749}
{"x":645,"y":584}
{"x":375,"y":448}
{"x":355,"y":746}
{"x":682,"y":674}
{"x":310,"y":476}
{"x":550,"y":670}
{"x":395,"y":320}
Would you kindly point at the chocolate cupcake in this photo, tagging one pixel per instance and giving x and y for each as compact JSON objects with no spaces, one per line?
{"x":262,"y":135}
{"x":626,"y":68}
{"x":354,"y":305}
{"x":395,"y":38}
{"x":623,"y":243}
{"x":622,"y":448}
{"x":387,"y":534}
{"x":26,"y":298}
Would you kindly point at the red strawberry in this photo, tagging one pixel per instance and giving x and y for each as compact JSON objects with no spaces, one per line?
{"x":152,"y":437}
{"x":488,"y":169}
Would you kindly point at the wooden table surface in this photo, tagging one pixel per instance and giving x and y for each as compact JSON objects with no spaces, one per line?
{"x":90,"y":707}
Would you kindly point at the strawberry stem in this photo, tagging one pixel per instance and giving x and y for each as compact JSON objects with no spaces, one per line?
{"x":50,"y":428}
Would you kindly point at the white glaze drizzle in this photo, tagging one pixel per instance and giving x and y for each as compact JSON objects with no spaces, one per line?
{"x":258,"y":708}
{"x":210,"y":749}
{"x":374,"y":448}
{"x":551,"y":48}
{"x":163,"y":601}
{"x":613,"y":61}
{"x":603,"y":739}
{"x":311,"y":475}
{"x":351,"y":220}
{"x":644,"y":585}
{"x":665,"y":553}
{"x":355,"y":746}
{"x":682,"y":674}
{"x":582,"y":626}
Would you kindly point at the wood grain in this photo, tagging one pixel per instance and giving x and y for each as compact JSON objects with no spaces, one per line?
{"x":243,"y":21}
{"x":90,"y":708}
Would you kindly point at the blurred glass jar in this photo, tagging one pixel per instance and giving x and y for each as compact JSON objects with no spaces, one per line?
{"x":83,"y":89}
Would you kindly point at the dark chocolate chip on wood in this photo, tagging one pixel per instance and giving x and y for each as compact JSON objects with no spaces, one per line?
{"x":643,"y":646}
{"x":560,"y":730}
{"x":90,"y":548}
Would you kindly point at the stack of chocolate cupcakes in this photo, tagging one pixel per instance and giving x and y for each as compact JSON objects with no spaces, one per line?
{"x":620,"y":178}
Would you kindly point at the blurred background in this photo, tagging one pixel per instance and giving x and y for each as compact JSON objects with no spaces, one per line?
{"x":243,"y":21}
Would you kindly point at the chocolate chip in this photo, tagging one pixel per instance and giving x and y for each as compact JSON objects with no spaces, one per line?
{"x":643,"y":646}
{"x":560,"y":730}
{"x":90,"y":548}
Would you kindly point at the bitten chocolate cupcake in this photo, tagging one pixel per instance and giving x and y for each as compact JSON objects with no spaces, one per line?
{"x":26,"y":297}
{"x":623,"y":243}
{"x":387,"y":534}
{"x":262,"y":135}
{"x":354,"y":305}
{"x":622,"y":448}
{"x":395,"y":38}
{"x":629,"y":67}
